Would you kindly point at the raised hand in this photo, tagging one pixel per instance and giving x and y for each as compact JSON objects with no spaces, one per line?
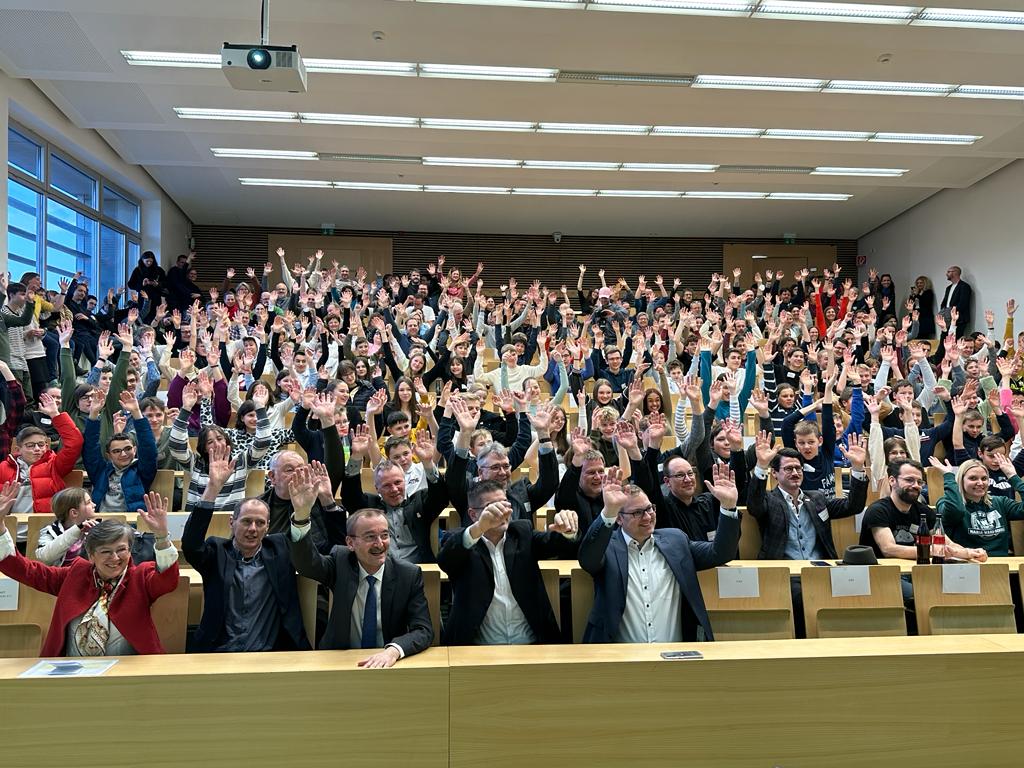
{"x":856,"y":451}
{"x":723,"y":486}
{"x":65,"y":331}
{"x":155,"y":515}
{"x":625,"y":435}
{"x":580,"y":441}
{"x":376,"y":402}
{"x":425,"y":447}
{"x":8,"y":495}
{"x":943,"y":466}
{"x":360,"y":441}
{"x":190,"y":396}
{"x":302,"y":488}
{"x":260,"y":396}
{"x":130,"y":403}
{"x":656,"y":430}
{"x":612,"y":494}
{"x":49,"y":406}
{"x":119,"y":420}
{"x":759,"y":399}
{"x":541,"y":420}
{"x":221,"y":467}
{"x":764,"y":450}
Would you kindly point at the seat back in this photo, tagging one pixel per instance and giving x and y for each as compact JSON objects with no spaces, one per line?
{"x":19,"y":641}
{"x":582,"y":592}
{"x":1017,"y":537}
{"x":879,"y":614}
{"x":432,"y":591}
{"x":163,"y":484}
{"x":74,"y":478}
{"x":939,"y":612}
{"x":255,"y":482}
{"x":844,"y":533}
{"x":750,"y":536}
{"x":551,"y":586}
{"x":170,"y":616}
{"x":769,"y":616}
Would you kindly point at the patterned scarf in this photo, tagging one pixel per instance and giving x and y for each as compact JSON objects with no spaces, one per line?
{"x":93,"y":630}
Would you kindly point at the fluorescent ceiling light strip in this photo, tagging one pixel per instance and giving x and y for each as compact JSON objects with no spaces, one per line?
{"x":379,"y":121}
{"x":888,"y":88}
{"x":807,"y":196}
{"x":467,"y":190}
{"x":860,"y":12}
{"x":824,"y":170}
{"x":923,"y":138}
{"x":581,"y":128}
{"x":670,"y":167}
{"x":474,"y":72}
{"x":592,"y":128}
{"x":571,"y":165}
{"x":265,"y":154}
{"x":368,"y":186}
{"x":638,"y":193}
{"x":687,"y":7}
{"x":358,"y":67}
{"x":170,"y":59}
{"x":546,"y":191}
{"x":736,"y":82}
{"x":988,"y":92}
{"x":811,"y":135}
{"x":251,"y":115}
{"x":472,"y":162}
{"x":965,"y":17}
{"x":313,"y":183}
{"x":453,"y":124}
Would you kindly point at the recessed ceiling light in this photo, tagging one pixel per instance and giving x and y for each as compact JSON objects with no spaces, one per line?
{"x":592,"y":128}
{"x":248,"y":115}
{"x":467,"y":190}
{"x":473,"y":72}
{"x":169,"y":59}
{"x":820,"y":196}
{"x":472,"y":162}
{"x":312,"y":183}
{"x":264,"y":154}
{"x":638,"y":193}
{"x":824,"y":170}
{"x":457,"y":124}
{"x":357,"y":67}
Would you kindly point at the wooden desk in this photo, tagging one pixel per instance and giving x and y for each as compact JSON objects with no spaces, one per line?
{"x":792,"y":703}
{"x":302,"y":705}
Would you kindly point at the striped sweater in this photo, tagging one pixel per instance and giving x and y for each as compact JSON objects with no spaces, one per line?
{"x":233,"y":492}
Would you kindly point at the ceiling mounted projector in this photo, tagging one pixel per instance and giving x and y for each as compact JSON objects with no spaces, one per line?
{"x":258,"y":67}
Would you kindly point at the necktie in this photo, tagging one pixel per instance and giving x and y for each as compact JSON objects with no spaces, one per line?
{"x":370,"y":615}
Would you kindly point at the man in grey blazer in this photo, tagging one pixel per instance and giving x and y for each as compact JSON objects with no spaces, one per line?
{"x":378,"y":599}
{"x":645,"y":580}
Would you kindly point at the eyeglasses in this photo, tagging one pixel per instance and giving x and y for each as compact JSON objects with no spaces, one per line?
{"x":682,"y":475}
{"x":373,"y":538}
{"x":121,"y":451}
{"x":504,"y":467}
{"x":120,"y":551}
{"x":794,"y":470}
{"x":650,"y":509}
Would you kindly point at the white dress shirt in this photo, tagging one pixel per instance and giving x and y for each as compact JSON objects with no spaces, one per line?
{"x":504,"y":623}
{"x":654,"y":602}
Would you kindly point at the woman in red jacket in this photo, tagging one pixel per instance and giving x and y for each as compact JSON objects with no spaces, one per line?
{"x":103,"y":603}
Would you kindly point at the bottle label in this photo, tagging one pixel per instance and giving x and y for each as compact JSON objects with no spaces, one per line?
{"x":924,"y":540}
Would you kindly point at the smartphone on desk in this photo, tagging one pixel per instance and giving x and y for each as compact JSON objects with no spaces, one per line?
{"x":821,"y":562}
{"x":681,"y":655}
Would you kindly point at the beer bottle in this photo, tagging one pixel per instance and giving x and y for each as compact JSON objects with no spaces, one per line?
{"x":938,"y":542}
{"x":924,"y":541}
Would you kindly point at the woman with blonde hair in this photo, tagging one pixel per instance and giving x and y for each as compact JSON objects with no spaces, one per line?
{"x":972,"y":516}
{"x":922,"y":294}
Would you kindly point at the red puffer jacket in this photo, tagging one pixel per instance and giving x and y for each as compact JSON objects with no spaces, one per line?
{"x":47,"y":474}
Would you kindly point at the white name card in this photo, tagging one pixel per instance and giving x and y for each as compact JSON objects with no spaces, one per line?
{"x":850,"y":581}
{"x":8,"y":594}
{"x":961,"y":579}
{"x":738,"y":582}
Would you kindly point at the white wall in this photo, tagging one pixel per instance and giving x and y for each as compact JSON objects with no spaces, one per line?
{"x":980,"y":228}
{"x":165,"y":228}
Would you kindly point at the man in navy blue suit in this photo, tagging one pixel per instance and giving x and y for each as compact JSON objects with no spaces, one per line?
{"x":645,"y":580}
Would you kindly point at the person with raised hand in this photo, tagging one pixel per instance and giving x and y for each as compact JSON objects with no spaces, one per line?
{"x":379,"y":601}
{"x":250,"y":597}
{"x":645,"y":579}
{"x":498,"y":592}
{"x":971,"y":514}
{"x":122,"y":470}
{"x":104,"y":602}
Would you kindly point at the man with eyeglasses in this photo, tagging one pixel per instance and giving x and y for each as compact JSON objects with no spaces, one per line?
{"x":379,"y":601}
{"x":797,"y":524}
{"x":250,"y":597}
{"x":122,"y":478}
{"x":645,"y":578}
{"x":498,"y":591}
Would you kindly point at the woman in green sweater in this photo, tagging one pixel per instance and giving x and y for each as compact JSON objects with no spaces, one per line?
{"x":973,"y":517}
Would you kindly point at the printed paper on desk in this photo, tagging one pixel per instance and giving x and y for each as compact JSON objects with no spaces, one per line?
{"x":738,"y":582}
{"x":8,"y":594}
{"x":961,"y":579}
{"x":850,"y":581}
{"x":176,"y":525}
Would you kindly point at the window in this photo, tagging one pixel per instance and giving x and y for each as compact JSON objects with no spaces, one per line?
{"x":111,"y":261}
{"x":74,"y":183}
{"x":24,"y":154}
{"x":63,"y":218}
{"x":70,"y":243}
{"x":119,"y":208}
{"x":24,"y":227}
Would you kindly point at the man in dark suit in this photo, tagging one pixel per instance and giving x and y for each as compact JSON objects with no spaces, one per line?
{"x":645,"y":580}
{"x":492,"y":463}
{"x":250,"y":599}
{"x":498,"y":592}
{"x":957,"y":301}
{"x":409,"y":519}
{"x":796,"y":524}
{"x":378,"y":599}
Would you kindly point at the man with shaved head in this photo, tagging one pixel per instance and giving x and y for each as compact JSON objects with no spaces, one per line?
{"x":327,"y":525}
{"x":957,"y":301}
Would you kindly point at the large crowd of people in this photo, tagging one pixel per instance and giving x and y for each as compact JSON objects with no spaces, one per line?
{"x":647,"y":417}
